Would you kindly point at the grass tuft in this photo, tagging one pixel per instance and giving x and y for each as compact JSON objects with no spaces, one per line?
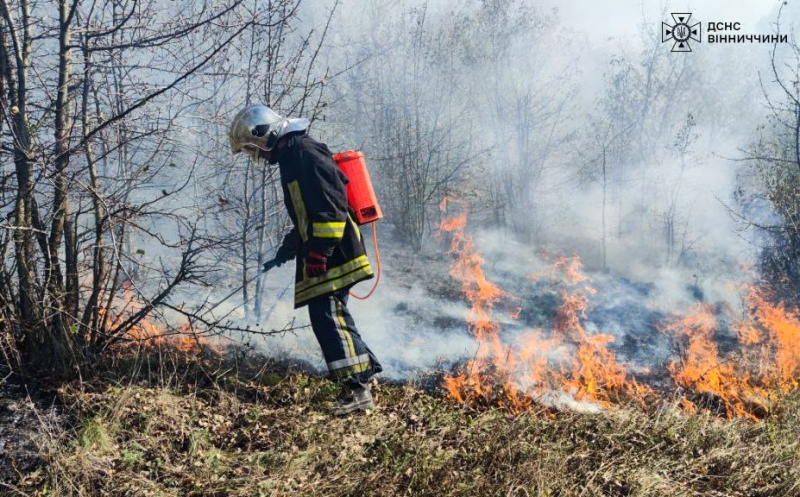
{"x":270,"y":434}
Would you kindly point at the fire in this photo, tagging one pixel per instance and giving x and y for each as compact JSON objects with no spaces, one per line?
{"x":477,"y":381}
{"x":594,"y":374}
{"x":569,"y":268}
{"x":183,"y":339}
{"x":780,"y":352}
{"x":513,"y":375}
{"x":751,"y":378}
{"x":702,"y":370}
{"x":148,"y":334}
{"x":759,"y":361}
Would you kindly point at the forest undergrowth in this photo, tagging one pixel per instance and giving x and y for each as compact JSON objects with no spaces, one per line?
{"x":172,"y":424}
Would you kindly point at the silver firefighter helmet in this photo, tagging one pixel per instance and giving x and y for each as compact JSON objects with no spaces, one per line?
{"x":257,"y":127}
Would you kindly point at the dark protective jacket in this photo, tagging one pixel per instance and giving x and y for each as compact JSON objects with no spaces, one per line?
{"x":315,"y":194}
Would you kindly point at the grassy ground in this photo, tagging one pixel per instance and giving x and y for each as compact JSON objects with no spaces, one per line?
{"x":268,"y":433}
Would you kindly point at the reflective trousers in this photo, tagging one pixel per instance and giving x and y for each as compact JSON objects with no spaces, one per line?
{"x":348,"y":357}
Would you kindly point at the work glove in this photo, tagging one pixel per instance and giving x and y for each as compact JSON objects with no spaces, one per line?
{"x":316,"y":264}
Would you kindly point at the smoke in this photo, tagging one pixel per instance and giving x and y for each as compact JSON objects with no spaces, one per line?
{"x":628,"y":162}
{"x":410,"y":330}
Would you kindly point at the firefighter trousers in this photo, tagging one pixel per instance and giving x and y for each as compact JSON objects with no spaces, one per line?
{"x":348,"y":357}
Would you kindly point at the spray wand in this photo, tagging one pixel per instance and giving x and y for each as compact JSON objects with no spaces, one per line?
{"x":266,"y":267}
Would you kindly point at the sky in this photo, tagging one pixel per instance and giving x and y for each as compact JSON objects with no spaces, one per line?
{"x":614,"y":20}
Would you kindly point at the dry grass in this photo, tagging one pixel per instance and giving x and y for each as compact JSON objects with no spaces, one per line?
{"x":272,"y":436}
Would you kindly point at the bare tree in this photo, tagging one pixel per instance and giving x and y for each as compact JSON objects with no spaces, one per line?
{"x":277,"y":64}
{"x":408,"y":110}
{"x":676,"y":227}
{"x":86,"y":206}
{"x":524,"y":98}
{"x":774,"y":160}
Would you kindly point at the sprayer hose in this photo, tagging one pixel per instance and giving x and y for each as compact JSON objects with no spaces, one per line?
{"x":377,"y":261}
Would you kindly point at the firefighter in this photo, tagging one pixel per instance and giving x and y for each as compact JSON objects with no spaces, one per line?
{"x":325,"y":241}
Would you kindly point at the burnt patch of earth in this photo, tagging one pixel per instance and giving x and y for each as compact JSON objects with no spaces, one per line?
{"x":21,"y":430}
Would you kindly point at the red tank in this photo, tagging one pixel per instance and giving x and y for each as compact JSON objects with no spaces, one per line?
{"x":360,"y":194}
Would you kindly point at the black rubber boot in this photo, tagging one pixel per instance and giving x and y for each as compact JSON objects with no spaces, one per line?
{"x":353,"y":398}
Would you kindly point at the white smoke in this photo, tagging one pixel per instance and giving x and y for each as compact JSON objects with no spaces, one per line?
{"x":412,"y":327}
{"x":410,"y":330}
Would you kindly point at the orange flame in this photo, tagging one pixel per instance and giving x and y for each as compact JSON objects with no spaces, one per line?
{"x":147,"y":334}
{"x":743,"y":380}
{"x":780,"y":338}
{"x":511,"y":375}
{"x":594,"y":374}
{"x":476,"y":382}
{"x":749,"y":379}
{"x":569,"y":268}
{"x":702,"y":370}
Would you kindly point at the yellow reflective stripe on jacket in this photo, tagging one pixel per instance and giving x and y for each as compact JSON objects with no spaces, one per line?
{"x":335,"y":279}
{"x":333,"y":285}
{"x":355,"y":226}
{"x":328,"y":230}
{"x":332,"y":273}
{"x":299,"y":209}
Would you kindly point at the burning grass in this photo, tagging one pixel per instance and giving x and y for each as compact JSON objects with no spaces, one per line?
{"x":515,"y":375}
{"x":142,"y":332}
{"x":569,"y":360}
{"x":540,"y":412}
{"x":269,"y":434}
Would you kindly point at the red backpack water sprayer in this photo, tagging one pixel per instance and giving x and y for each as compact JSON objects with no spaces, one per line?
{"x":360,"y":194}
{"x":362,"y":199}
